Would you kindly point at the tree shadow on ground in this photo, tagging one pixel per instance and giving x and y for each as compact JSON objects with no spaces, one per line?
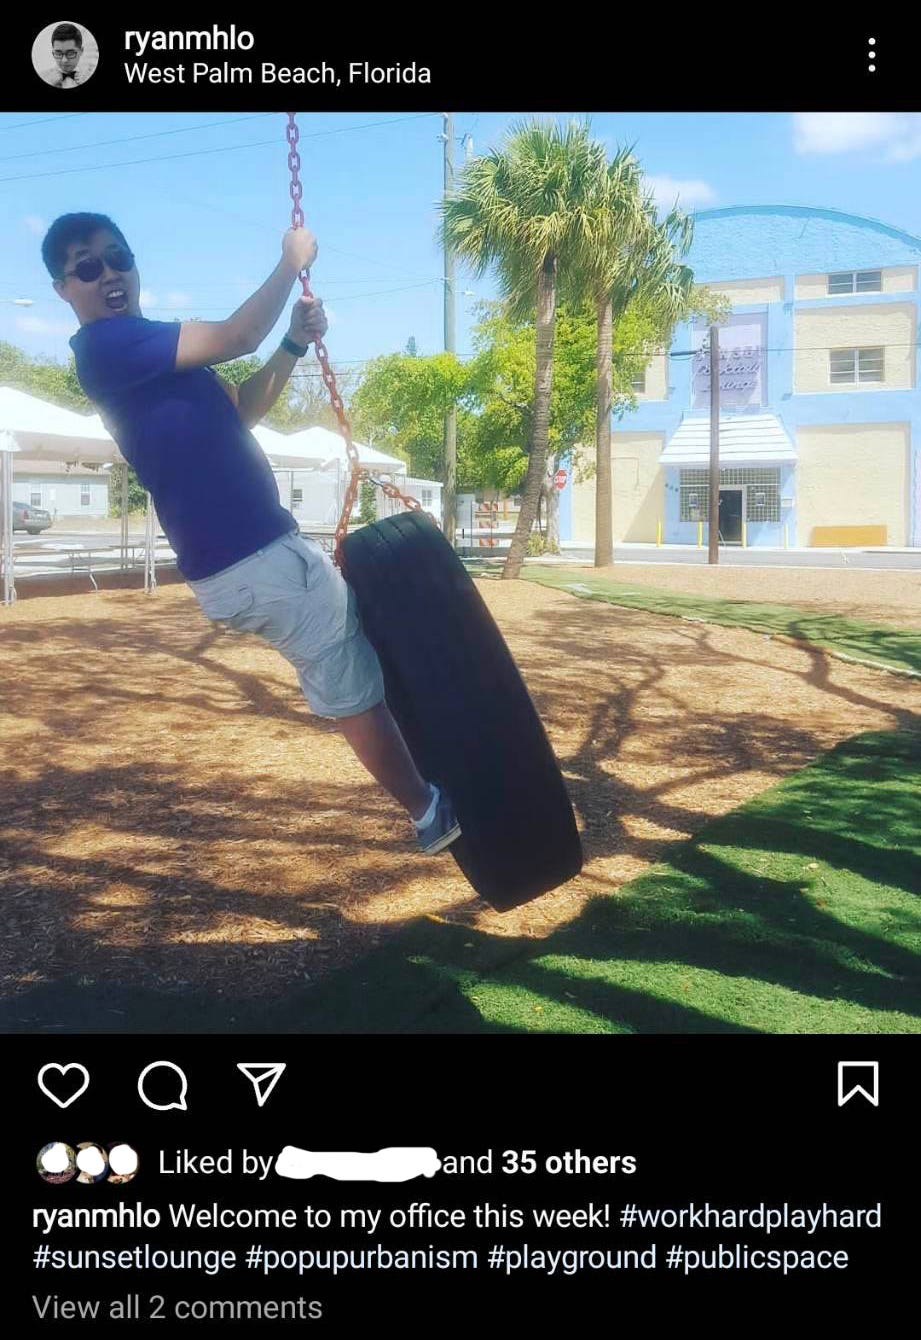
{"x":151,"y":891}
{"x":754,"y":953}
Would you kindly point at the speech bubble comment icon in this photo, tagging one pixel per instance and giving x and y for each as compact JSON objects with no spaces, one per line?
{"x":177,"y":1103}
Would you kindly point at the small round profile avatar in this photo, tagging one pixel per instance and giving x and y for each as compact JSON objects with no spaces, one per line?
{"x":56,"y":1163}
{"x":65,"y":55}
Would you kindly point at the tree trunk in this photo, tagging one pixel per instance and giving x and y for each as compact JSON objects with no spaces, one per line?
{"x":537,"y":461}
{"x":604,"y":536}
{"x":552,"y":514}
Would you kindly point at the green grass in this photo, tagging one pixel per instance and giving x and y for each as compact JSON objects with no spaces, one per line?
{"x":797,"y":913}
{"x":889,"y":648}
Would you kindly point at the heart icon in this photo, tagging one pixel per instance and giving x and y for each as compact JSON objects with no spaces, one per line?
{"x":62,"y":1071}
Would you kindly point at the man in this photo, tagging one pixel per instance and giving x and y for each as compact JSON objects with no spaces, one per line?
{"x":67,"y":50}
{"x":186,"y":433}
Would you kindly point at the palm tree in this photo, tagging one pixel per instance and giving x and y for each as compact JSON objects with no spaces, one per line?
{"x":630,"y":256}
{"x":524,"y":210}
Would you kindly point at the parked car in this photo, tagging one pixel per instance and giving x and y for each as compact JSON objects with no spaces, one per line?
{"x":29,"y":518}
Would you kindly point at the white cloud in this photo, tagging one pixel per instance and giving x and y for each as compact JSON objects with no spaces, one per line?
{"x":893,"y":135}
{"x":689,"y":193}
{"x":178,"y":299}
{"x":39,"y":325}
{"x":36,"y":226}
{"x":147,"y":298}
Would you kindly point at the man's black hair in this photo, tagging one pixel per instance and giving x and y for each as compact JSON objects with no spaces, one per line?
{"x":66,"y":32}
{"x":71,"y":228}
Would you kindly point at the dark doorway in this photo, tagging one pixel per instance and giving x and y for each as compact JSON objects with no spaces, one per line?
{"x":731,"y":516}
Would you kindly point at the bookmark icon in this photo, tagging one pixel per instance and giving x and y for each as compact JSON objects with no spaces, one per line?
{"x":850,"y":1075}
{"x":263,"y":1075}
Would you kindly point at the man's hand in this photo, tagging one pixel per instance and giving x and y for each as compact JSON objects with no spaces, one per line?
{"x":308,"y":321}
{"x":299,"y":248}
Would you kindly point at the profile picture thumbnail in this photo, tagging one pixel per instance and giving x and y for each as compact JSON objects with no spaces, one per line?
{"x":56,"y":1163}
{"x":65,"y":55}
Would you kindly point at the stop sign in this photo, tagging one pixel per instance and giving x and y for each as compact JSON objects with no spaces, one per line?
{"x":559,"y":479}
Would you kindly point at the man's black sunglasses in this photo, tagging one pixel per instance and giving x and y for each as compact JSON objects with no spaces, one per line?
{"x":91,"y":267}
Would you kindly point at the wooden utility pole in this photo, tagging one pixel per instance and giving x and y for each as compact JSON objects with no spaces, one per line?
{"x":713,"y":555}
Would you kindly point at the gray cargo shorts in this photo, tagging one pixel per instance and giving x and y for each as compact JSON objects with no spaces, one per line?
{"x":291,"y":594}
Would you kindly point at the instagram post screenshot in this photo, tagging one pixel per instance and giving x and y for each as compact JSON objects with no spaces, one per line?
{"x":460,"y":672}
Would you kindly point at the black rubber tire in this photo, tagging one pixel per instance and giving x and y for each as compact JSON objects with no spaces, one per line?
{"x":463,"y":708}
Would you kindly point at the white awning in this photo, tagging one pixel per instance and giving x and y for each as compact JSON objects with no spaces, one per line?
{"x":40,"y":431}
{"x":745,"y":439}
{"x":325,"y":445}
{"x":281,"y":451}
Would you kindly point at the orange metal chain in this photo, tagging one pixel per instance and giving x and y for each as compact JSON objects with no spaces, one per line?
{"x":357,"y":472}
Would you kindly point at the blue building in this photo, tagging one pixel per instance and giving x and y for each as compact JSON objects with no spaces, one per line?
{"x":820,"y":407}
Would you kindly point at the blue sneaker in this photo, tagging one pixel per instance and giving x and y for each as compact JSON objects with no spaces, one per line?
{"x":441,"y":831}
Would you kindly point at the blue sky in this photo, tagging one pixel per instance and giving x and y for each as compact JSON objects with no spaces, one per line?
{"x":205,"y":217}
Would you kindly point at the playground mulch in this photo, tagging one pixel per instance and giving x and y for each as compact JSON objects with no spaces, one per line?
{"x":175,"y":824}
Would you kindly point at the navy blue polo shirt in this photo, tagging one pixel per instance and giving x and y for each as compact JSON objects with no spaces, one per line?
{"x":210,"y":481}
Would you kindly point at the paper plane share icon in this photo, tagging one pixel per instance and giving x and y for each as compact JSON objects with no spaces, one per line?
{"x":263,"y":1075}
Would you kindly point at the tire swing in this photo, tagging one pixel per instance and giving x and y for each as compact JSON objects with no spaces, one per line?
{"x":451,"y":683}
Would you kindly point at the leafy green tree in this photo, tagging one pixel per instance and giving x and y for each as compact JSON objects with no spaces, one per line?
{"x":501,"y":392}
{"x":521,"y":211}
{"x":44,"y":378}
{"x":137,"y":494}
{"x":402,"y":402}
{"x":630,"y":264}
{"x":367,"y":511}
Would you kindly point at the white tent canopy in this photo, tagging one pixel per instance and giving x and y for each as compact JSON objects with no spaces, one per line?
{"x":326,"y":447}
{"x":275,"y":445}
{"x":43,"y":432}
{"x":35,"y":430}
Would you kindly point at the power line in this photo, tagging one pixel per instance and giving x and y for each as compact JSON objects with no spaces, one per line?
{"x":130,"y":139}
{"x":337,"y":362}
{"x":43,"y":121}
{"x":135,"y":162}
{"x":253,"y":223}
{"x":342,"y":298}
{"x":220,"y":149}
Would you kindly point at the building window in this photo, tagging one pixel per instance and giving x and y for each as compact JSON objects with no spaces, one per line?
{"x":638,"y":383}
{"x":427,"y":498}
{"x":297,"y":497}
{"x":849,"y":366}
{"x":855,"y":281}
{"x":85,"y":498}
{"x":35,"y":498}
{"x":761,"y":492}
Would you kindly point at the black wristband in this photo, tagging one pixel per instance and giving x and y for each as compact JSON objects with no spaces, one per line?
{"x":290,"y":347}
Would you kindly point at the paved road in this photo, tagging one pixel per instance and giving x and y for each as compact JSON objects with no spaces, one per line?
{"x":896,"y":560}
{"x":908,"y":559}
